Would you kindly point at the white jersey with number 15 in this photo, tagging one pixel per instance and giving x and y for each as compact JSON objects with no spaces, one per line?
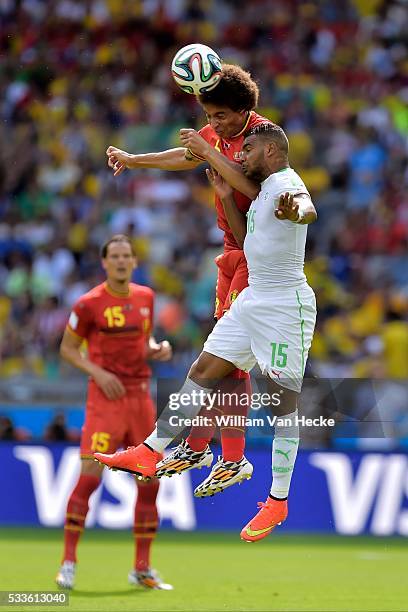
{"x":274,"y":249}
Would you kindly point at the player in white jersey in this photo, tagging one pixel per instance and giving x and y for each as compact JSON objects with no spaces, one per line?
{"x":271,"y":322}
{"x":278,"y":309}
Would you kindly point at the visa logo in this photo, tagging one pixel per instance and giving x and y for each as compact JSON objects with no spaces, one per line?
{"x":375,"y":493}
{"x":52,"y":486}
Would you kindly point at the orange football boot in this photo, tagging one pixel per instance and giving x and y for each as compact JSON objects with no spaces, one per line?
{"x":271,"y":513}
{"x":138,"y":460}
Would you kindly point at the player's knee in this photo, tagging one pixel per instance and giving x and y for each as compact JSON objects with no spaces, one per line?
{"x":202,"y":371}
{"x":286,"y":399}
{"x":198,"y":369}
{"x":208,"y":369}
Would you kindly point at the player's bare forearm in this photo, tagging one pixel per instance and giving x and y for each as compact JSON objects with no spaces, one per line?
{"x":70,"y":352}
{"x":232,"y":173}
{"x":171,"y":159}
{"x":236,"y":219}
{"x":108,"y":382}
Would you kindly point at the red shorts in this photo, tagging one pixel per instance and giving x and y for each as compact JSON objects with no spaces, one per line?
{"x":111,"y":424}
{"x":232,"y":279}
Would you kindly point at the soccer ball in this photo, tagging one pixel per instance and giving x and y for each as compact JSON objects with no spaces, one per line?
{"x":196,"y":69}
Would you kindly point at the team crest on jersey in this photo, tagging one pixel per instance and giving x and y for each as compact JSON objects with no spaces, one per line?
{"x":234,"y":295}
{"x":144,"y":311}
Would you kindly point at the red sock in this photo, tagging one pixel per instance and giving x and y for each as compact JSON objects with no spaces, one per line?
{"x":201,"y":436}
{"x":233,"y":438}
{"x":77,"y":509}
{"x":146,"y":522}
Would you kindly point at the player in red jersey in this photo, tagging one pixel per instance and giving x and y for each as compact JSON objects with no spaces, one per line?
{"x":229,"y":111}
{"x":115,"y":318}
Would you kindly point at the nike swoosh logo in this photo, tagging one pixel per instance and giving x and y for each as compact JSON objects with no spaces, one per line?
{"x":141,"y":466}
{"x":257,"y":532}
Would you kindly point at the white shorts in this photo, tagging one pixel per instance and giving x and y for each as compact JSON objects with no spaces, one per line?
{"x":274,"y":328}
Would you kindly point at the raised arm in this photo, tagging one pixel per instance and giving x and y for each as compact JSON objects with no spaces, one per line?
{"x":172,"y":159}
{"x":230,"y":171}
{"x":235,"y":218}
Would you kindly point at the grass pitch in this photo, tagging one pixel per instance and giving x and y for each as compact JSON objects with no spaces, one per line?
{"x":214,"y":572}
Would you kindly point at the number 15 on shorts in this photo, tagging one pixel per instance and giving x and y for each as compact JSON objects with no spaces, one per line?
{"x":100,"y":441}
{"x":279,"y":357}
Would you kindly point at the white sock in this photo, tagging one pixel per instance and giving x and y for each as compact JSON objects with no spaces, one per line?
{"x":164,"y":433}
{"x":284,"y":451}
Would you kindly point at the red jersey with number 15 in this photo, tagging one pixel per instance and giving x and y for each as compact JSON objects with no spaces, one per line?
{"x":231,"y":148}
{"x":117,"y":329}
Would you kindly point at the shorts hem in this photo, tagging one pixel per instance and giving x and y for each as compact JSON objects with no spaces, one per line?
{"x":287,"y":383}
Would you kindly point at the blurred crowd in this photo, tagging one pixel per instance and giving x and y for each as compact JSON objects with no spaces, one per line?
{"x":79,"y":75}
{"x":56,"y":430}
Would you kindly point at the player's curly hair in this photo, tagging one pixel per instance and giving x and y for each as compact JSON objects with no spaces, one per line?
{"x":236,"y":90}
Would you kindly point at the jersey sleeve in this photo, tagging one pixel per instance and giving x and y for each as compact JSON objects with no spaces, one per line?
{"x":291,"y":183}
{"x":80,"y":319}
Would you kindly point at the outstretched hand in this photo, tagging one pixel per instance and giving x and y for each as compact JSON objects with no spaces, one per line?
{"x":117,"y":160}
{"x":287,"y":208}
{"x":221,"y":187}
